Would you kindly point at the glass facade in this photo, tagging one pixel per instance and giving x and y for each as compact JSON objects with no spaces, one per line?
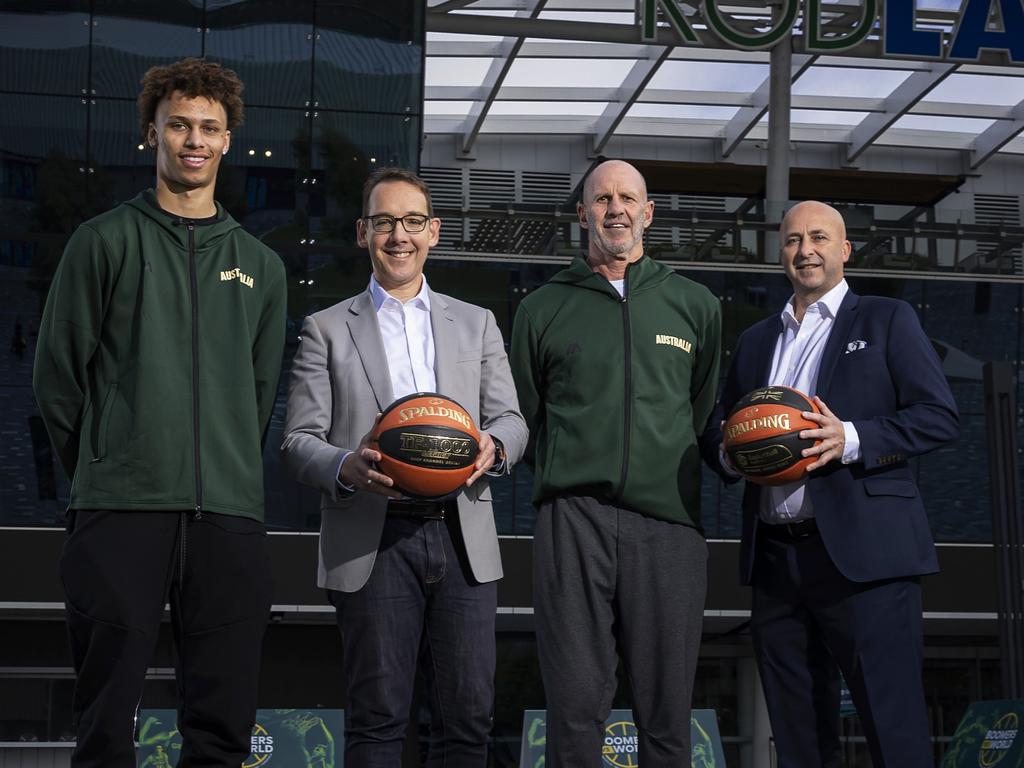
{"x":332,"y":90}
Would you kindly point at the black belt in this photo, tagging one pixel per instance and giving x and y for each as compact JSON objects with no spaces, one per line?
{"x":421,"y":510}
{"x":790,"y":532}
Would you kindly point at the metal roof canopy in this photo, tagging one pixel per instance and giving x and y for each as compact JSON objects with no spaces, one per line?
{"x":578,"y":30}
{"x":848,"y":185}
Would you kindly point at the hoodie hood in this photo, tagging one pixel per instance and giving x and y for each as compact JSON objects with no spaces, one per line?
{"x":208,"y":233}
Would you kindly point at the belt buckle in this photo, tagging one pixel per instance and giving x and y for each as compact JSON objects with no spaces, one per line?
{"x":418,"y":510}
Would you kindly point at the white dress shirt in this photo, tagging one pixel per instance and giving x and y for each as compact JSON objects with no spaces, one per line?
{"x":795,"y":364}
{"x":408,"y":339}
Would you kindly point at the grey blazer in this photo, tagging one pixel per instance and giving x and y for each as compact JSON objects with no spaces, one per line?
{"x":340,"y":381}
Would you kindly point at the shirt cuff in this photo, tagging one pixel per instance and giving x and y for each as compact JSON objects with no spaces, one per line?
{"x":500,"y":465}
{"x":851,"y":451}
{"x":347,"y":489}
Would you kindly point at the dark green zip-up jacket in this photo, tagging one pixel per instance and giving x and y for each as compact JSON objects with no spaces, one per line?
{"x":158,"y":360}
{"x":615,"y":390}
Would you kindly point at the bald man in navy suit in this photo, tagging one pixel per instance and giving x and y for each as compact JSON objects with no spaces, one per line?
{"x":835,"y":559}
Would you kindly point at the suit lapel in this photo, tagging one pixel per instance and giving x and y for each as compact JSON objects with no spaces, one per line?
{"x":446,"y":343}
{"x":836,"y":343}
{"x":362,"y":325}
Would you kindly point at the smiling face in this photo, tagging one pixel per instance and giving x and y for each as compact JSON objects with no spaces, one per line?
{"x":397,"y":256}
{"x":813,"y":249}
{"x":616,"y":211}
{"x":190,"y":136}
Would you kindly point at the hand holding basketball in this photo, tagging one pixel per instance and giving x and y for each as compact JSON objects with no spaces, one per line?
{"x":830,"y":434}
{"x":484,"y":459}
{"x":358,"y":472}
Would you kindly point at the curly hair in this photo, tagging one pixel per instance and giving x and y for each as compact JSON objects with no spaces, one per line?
{"x":192,"y":77}
{"x":382,"y":175}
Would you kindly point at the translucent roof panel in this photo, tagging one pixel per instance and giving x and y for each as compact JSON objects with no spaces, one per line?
{"x":548,"y":108}
{"x":456,"y":37}
{"x":825,"y":117}
{"x":592,"y":17}
{"x":979,"y":89}
{"x":456,"y":108}
{"x":944,"y":124}
{"x":709,"y":76}
{"x":848,"y":81}
{"x":683,"y":111}
{"x":455,"y":70}
{"x":560,"y":72}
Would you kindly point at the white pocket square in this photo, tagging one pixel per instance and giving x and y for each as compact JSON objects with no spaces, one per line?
{"x":853,"y":346}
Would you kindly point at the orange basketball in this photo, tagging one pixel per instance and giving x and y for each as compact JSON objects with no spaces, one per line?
{"x":428,"y":444}
{"x":762,"y":435}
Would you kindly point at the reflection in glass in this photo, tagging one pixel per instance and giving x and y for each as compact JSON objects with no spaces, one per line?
{"x":45,"y":51}
{"x":128,"y":39}
{"x":359,"y":73}
{"x":269,"y":45}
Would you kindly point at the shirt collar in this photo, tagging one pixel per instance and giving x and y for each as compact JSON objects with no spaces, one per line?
{"x":380,"y":296}
{"x":827,"y":305}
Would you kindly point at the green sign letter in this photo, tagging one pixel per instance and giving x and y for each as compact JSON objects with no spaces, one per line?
{"x":752,"y":42}
{"x":649,"y":20}
{"x":812,"y":23}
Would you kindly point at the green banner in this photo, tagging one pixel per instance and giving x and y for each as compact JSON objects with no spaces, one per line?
{"x":281,"y":738}
{"x":621,"y":742}
{"x":988,"y":736}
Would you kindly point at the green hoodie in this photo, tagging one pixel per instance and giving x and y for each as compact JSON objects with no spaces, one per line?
{"x":615,"y":390}
{"x":158,"y":360}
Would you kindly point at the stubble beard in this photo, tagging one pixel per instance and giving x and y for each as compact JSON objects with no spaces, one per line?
{"x":615,"y":249}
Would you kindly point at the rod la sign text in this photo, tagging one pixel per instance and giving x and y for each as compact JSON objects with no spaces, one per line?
{"x":900,"y":35}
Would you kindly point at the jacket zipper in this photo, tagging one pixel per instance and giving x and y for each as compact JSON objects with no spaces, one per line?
{"x":628,"y":400}
{"x":194,"y":290}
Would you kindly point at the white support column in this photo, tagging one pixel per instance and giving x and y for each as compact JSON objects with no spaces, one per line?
{"x":777,"y":183}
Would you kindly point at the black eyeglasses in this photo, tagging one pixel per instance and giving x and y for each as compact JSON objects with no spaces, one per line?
{"x":411,"y":222}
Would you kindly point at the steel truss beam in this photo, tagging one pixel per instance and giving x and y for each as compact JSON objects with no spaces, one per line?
{"x":996,"y":136}
{"x":899,"y":102}
{"x":493,"y":81}
{"x":744,"y":120}
{"x":632,"y":86}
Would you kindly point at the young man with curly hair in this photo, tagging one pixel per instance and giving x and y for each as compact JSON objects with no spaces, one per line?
{"x":156,"y":371}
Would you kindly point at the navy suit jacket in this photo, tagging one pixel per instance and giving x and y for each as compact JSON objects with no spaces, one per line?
{"x":879,"y":371}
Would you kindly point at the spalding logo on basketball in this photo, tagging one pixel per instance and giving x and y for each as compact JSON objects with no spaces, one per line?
{"x":428,"y":444}
{"x":762,"y":435}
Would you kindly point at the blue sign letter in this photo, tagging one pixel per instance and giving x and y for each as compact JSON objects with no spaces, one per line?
{"x":971,"y":34}
{"x":902,"y":39}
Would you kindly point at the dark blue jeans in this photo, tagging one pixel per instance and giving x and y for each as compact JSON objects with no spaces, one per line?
{"x":419,"y":608}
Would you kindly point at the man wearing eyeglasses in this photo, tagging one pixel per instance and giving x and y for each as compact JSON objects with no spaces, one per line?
{"x":411,"y":581}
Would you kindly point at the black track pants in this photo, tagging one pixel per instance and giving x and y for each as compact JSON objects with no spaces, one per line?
{"x":119,"y":569}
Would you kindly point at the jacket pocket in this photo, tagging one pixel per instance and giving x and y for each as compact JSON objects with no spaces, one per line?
{"x":104,"y":425}
{"x":890,"y":486}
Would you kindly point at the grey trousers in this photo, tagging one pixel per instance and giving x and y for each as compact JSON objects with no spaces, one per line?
{"x":612,"y":584}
